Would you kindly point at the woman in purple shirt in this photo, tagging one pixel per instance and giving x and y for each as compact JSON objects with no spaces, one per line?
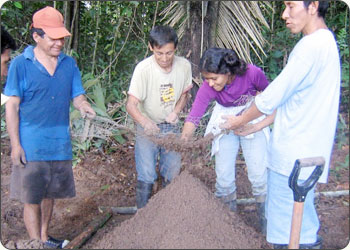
{"x":232,"y":84}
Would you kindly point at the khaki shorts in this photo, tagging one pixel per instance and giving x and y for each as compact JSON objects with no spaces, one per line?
{"x":40,"y":180}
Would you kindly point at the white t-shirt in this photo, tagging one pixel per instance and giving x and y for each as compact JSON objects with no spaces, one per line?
{"x":306,"y":95}
{"x":158,"y":91}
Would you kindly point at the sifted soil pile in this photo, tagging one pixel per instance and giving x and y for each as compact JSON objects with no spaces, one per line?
{"x":107,"y":177}
{"x":185,"y":214}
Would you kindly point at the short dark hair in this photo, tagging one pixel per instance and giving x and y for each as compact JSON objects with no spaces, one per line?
{"x":222,"y":61}
{"x":161,"y":35}
{"x":322,"y":7}
{"x":39,"y":31}
{"x":7,"y":41}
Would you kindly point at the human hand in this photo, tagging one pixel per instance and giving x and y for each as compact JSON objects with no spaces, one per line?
{"x":86,"y":110}
{"x":150,"y":127}
{"x":185,"y":137}
{"x":231,"y":122}
{"x":245,"y":130}
{"x":18,"y":156}
{"x":172,"y":118}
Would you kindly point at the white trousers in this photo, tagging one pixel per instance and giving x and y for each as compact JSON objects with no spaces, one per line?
{"x":225,"y":148}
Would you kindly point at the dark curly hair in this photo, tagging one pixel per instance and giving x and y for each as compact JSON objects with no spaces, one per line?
{"x":7,"y":41}
{"x":222,"y":61}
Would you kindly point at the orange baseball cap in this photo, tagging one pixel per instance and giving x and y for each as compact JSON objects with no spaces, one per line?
{"x":50,"y":21}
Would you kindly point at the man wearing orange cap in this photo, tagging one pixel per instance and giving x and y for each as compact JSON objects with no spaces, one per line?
{"x":41,"y":83}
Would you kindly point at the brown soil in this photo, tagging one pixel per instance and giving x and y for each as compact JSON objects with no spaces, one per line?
{"x":183,"y":215}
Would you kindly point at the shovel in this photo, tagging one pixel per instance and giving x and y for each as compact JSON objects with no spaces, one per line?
{"x":300,"y":191}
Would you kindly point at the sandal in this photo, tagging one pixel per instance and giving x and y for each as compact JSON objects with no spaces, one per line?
{"x":55,"y":243}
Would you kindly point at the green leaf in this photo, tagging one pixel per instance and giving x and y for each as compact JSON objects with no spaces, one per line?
{"x":105,"y":187}
{"x":277,"y":54}
{"x":90,"y":83}
{"x":110,"y":52}
{"x":136,"y":3}
{"x":75,"y":114}
{"x":100,"y":112}
{"x":119,"y":138}
{"x":18,"y":5}
{"x":108,"y":46}
{"x":99,"y":98}
{"x":127,"y":12}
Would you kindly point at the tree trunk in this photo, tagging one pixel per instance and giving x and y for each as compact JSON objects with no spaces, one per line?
{"x":67,"y":19}
{"x":76,"y":26}
{"x":98,"y":8}
{"x":71,"y":19}
{"x":213,"y":12}
{"x":199,"y":36}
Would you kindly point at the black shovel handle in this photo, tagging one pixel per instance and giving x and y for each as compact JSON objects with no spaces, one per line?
{"x":300,"y":191}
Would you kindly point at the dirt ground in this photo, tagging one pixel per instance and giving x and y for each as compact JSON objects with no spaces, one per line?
{"x":108,"y":178}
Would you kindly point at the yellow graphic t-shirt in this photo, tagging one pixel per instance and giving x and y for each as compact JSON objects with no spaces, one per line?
{"x":158,"y":91}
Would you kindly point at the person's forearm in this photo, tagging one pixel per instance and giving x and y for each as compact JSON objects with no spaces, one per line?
{"x":136,"y":115}
{"x":12,"y":122}
{"x":79,"y":101}
{"x":81,"y":104}
{"x":250,"y":114}
{"x":149,"y":126}
{"x":134,"y":112}
{"x":181,"y":103}
{"x":188,"y":130}
{"x":234,"y":122}
{"x":268,"y":120}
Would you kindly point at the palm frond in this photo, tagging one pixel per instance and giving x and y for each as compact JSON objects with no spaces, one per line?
{"x":239,"y":25}
{"x":176,"y":12}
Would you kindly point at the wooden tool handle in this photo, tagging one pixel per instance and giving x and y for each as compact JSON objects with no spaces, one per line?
{"x":296,"y":225}
{"x":312,"y":161}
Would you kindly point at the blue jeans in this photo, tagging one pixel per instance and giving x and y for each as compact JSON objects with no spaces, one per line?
{"x":279,"y":211}
{"x":147,"y":154}
{"x":254,"y":151}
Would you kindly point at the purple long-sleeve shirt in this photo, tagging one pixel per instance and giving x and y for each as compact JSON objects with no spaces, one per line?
{"x":237,"y":93}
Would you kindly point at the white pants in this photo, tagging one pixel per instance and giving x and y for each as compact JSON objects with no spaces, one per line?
{"x":279,"y":211}
{"x":225,"y":148}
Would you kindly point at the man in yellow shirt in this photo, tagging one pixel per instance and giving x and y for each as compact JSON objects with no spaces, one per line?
{"x":157,"y":94}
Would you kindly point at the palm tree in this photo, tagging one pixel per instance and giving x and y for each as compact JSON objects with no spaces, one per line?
{"x":231,"y":24}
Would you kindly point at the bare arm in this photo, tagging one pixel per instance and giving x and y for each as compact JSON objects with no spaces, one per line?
{"x":181,"y":103}
{"x":133,"y":110}
{"x":12,"y":122}
{"x":188,"y":130}
{"x":81,"y":104}
{"x":234,"y":122}
{"x":252,"y":128}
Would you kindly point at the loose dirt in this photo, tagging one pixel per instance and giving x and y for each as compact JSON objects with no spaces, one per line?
{"x":183,"y":215}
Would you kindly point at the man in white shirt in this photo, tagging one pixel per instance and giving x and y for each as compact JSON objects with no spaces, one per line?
{"x":306,"y":96}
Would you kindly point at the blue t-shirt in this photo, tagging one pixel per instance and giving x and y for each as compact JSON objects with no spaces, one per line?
{"x":45,"y":101}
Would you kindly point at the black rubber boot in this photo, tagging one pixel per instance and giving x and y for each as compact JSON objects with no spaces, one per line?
{"x":230,"y":201}
{"x":143,"y":193}
{"x":260,"y":208}
{"x":316,"y":245}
